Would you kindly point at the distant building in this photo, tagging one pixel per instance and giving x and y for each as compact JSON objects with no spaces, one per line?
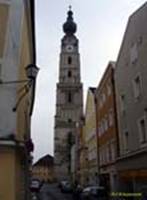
{"x":69,"y":101}
{"x":107,"y":129}
{"x":131,"y":93}
{"x":43,"y":169}
{"x":81,"y":167}
{"x":17,"y":50}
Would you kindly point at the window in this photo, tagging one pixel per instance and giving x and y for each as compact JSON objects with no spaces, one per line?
{"x":4,"y":14}
{"x":69,"y":120}
{"x":142,"y":130}
{"x":69,"y":138}
{"x":104,"y":97}
{"x":112,"y":151}
{"x":108,"y":89}
{"x":69,"y":74}
{"x":133,"y":54}
{"x":102,"y":127}
{"x":105,"y":155}
{"x":137,"y":86}
{"x":102,"y":156}
{"x":106,"y":123}
{"x":122,"y":103}
{"x":100,"y":101}
{"x":109,"y":153}
{"x":69,"y":60}
{"x":69,"y":97}
{"x":126,"y":140}
{"x":101,"y":159}
{"x":140,"y":40}
{"x":110,"y":118}
{"x":0,"y":71}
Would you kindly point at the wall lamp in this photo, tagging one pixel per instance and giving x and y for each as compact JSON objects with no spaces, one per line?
{"x":31,"y":73}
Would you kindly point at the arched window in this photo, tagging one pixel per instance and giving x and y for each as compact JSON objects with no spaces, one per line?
{"x":69,"y":139}
{"x":69,"y":74}
{"x":69,"y":120}
{"x":69,"y":97}
{"x":69,"y":60}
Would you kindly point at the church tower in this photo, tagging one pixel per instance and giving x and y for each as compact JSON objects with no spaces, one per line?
{"x":69,"y":99}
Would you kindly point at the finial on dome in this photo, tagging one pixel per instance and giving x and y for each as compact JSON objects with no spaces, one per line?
{"x":69,"y":27}
{"x":70,"y":7}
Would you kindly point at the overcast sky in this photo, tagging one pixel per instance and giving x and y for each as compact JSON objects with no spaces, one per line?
{"x":101,"y":25}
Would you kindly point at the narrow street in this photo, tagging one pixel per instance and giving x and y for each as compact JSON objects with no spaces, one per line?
{"x":52,"y":192}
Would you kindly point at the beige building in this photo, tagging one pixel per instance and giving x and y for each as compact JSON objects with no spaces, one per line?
{"x":90,"y":139}
{"x":43,"y":169}
{"x":17,"y":50}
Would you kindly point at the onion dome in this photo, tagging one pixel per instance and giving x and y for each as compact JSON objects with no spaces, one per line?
{"x":69,"y":27}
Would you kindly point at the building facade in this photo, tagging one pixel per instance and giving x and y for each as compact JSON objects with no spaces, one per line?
{"x":80,"y":154}
{"x":107,"y":129}
{"x":17,"y":50}
{"x":90,"y":138}
{"x":43,"y":169}
{"x":131,"y":93}
{"x":69,"y":99}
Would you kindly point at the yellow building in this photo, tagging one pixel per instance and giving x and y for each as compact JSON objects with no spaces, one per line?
{"x":17,"y":50}
{"x":43,"y":169}
{"x":89,"y":145}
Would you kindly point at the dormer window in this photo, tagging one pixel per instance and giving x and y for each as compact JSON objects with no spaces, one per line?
{"x":69,"y":60}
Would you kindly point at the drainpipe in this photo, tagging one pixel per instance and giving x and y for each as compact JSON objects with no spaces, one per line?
{"x":97,"y":140}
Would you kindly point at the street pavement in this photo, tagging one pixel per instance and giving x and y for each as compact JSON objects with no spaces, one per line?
{"x":52,"y":192}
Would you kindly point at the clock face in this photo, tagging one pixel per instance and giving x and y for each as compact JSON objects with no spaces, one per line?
{"x":69,"y":48}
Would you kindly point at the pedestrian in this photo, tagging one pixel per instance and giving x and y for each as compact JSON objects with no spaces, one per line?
{"x":144,"y":195}
{"x":76,"y":190}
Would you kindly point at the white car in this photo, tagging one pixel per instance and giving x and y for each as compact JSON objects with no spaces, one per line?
{"x":93,"y":192}
{"x":35,"y":185}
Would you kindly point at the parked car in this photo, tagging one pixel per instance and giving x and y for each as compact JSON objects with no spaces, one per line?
{"x":94,"y":193}
{"x":77,"y":192}
{"x":62,"y":183}
{"x":35,"y":185}
{"x":65,"y":186}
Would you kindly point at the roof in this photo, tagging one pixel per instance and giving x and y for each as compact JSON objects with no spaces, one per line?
{"x":110,"y":66}
{"x":46,"y":160}
{"x":138,"y":10}
{"x":93,"y":89}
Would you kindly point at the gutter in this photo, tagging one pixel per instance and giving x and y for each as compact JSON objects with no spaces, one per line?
{"x":32,"y":10}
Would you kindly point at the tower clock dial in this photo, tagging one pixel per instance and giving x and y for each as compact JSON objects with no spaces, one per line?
{"x":69,"y":48}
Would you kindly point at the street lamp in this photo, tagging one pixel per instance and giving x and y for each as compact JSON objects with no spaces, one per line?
{"x":31,"y":73}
